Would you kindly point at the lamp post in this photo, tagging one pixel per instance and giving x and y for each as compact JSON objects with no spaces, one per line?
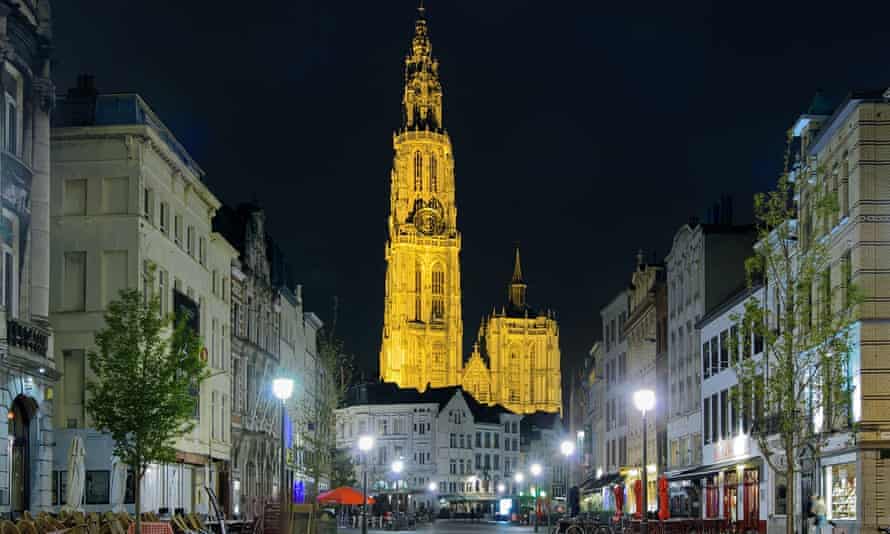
{"x":567,"y":448}
{"x":365,"y":444}
{"x":518,"y":478}
{"x":644,"y":400}
{"x":397,"y":467}
{"x":283,"y":388}
{"x":535,"y":470}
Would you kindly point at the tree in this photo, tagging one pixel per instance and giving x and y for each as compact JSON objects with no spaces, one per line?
{"x":342,"y":469}
{"x":145,"y":370}
{"x":800,"y":387}
{"x":317,"y":419}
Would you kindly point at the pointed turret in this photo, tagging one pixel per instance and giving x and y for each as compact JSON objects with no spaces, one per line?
{"x":517,"y":285}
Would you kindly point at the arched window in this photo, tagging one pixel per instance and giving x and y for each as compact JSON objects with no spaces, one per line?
{"x":434,"y":179}
{"x":417,"y":291}
{"x":438,"y":304}
{"x":418,"y":171}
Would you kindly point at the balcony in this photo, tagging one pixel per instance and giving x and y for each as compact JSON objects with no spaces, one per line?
{"x":27,"y":337}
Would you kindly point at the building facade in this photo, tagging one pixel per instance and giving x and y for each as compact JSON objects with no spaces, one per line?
{"x":706,"y":264}
{"x":131,"y":210}
{"x":29,"y":367}
{"x":617,"y":396}
{"x":422,"y":325}
{"x":640,"y":332}
{"x":840,"y":153}
{"x":516,"y":358}
{"x":256,"y":359}
{"x":456,"y":451}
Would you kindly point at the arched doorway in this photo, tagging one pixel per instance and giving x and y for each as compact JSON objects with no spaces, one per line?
{"x":19,"y":419}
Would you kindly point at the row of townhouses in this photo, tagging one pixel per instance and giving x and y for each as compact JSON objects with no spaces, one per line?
{"x":454,"y":454}
{"x":97,"y":196}
{"x":675,"y":329}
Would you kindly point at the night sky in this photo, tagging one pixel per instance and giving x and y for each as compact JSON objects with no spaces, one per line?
{"x":582,"y":130}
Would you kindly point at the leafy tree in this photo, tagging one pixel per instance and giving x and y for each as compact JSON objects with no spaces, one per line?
{"x":145,"y":368}
{"x":342,"y":469}
{"x":800,"y":388}
{"x":317,"y":419}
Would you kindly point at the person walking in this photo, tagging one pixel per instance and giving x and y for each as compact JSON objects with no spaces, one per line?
{"x":817,"y":508}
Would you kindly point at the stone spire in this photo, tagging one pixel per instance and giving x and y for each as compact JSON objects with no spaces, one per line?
{"x":422,"y":100}
{"x":517,"y":284}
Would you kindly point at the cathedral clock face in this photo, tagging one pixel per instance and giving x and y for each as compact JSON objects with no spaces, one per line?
{"x":427,"y":222}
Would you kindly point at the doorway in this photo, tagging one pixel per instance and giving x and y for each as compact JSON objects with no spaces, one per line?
{"x":19,"y":421}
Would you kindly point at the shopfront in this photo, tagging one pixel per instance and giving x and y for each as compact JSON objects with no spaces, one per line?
{"x":840,"y":482}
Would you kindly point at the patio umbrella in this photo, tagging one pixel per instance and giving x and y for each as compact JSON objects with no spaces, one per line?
{"x":76,"y":475}
{"x":638,"y":495}
{"x":118,"y":484}
{"x":343,"y":495}
{"x":618,"y":490}
{"x":664,"y":503}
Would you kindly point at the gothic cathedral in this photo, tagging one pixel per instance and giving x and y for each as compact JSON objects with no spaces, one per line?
{"x":518,"y":364}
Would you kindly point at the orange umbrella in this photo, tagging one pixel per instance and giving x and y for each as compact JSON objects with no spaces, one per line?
{"x":664,"y":503}
{"x":619,"y":500}
{"x":638,"y":493}
{"x":343,"y":495}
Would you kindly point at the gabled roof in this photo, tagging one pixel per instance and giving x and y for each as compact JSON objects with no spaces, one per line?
{"x":390,"y":393}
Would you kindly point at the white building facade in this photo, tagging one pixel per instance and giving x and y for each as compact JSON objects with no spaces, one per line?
{"x":131,"y":210}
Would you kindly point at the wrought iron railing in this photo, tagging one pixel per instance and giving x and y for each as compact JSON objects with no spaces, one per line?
{"x":27,"y":336}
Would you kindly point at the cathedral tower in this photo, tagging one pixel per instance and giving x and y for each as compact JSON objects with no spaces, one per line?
{"x":422,"y":326}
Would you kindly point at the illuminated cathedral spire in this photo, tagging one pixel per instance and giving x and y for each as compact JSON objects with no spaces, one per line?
{"x":422,"y":100}
{"x":517,"y":284}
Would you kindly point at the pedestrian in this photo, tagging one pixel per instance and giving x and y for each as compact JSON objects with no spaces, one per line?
{"x":818,"y":510}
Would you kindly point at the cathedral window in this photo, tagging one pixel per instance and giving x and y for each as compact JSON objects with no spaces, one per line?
{"x":417,"y":291}
{"x":418,"y":171}
{"x":438,"y":304}
{"x":434,"y":186}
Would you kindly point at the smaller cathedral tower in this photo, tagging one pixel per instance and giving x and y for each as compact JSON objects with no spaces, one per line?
{"x":516,"y":360}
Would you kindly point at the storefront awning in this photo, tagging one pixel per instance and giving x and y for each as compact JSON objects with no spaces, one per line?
{"x":705,"y":470}
{"x":601,"y":482}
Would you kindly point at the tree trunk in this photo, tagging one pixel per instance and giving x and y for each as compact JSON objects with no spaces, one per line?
{"x":791,"y":505}
{"x":138,"y":492}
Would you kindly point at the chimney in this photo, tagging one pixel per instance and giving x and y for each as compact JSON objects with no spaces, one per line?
{"x":79,"y":108}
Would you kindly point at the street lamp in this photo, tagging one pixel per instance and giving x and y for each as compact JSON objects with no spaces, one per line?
{"x":397,"y":467}
{"x":644,"y":400}
{"x":518,"y":478}
{"x":501,"y":487}
{"x":283,"y":388}
{"x":567,"y":448}
{"x":365,"y":444}
{"x":535,"y":470}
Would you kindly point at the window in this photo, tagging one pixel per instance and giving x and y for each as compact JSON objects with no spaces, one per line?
{"x":453,"y":441}
{"x":177,"y":229}
{"x":706,"y":359}
{"x":488,"y":440}
{"x":434,"y":179}
{"x":841,"y":483}
{"x":148,"y":205}
{"x":724,"y":414}
{"x":438,"y":304}
{"x":202,"y":250}
{"x":164,"y":219}
{"x":75,"y":197}
{"x":190,"y":241}
{"x":75,"y":281}
{"x":463,"y":442}
{"x":733,"y":345}
{"x":715,"y":356}
{"x":714,"y":422}
{"x":478,"y":440}
{"x":706,"y":419}
{"x":96,"y":489}
{"x":418,"y":171}
{"x":115,"y":192}
{"x":11,"y":136}
{"x":497,"y":439}
{"x":781,"y":487}
{"x":417,"y":292}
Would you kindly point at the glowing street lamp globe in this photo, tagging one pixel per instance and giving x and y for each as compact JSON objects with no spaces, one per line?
{"x":432,"y":486}
{"x":518,"y":477}
{"x":283,"y":388}
{"x":365,"y":443}
{"x":398,"y":466}
{"x":535,"y":470}
{"x":502,"y":488}
{"x":567,"y":448}
{"x":644,"y":400}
